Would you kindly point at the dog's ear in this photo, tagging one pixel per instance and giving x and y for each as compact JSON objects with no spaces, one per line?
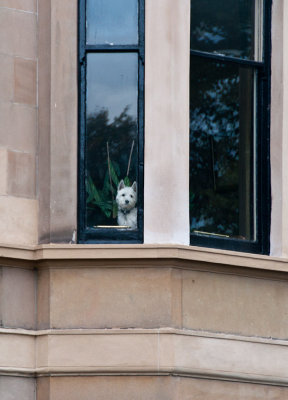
{"x":121,"y":185}
{"x":134,"y":186}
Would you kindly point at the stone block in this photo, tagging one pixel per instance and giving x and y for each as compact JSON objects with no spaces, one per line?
{"x":112,"y":388}
{"x":18,"y":126}
{"x":222,"y":357}
{"x":102,"y":352}
{"x":25,"y":84}
{"x":21,"y":174}
{"x":190,"y":389}
{"x":22,"y":5}
{"x":18,"y":222}
{"x":17,"y":352}
{"x":111,"y":297}
{"x":6,"y":79}
{"x":235,"y":304}
{"x":3,"y":171}
{"x":43,"y":389}
{"x":18,"y":298}
{"x":43,"y":299}
{"x":18,"y":33}
{"x":16,"y":388}
{"x":42,"y":352}
{"x":156,"y":388}
{"x":63,"y":129}
{"x":44,"y":119}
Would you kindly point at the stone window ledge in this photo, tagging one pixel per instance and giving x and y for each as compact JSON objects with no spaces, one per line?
{"x":168,"y":254}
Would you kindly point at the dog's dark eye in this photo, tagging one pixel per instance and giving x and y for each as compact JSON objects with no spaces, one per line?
{"x":123,"y":195}
{"x":131,"y":196}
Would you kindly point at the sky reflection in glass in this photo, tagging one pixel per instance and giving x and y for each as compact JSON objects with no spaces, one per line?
{"x":112,"y":22}
{"x":112,"y":83}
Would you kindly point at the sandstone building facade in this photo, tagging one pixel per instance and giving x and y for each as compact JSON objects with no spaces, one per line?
{"x":154,"y":320}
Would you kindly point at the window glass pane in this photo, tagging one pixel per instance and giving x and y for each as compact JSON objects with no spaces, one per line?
{"x":111,"y":139}
{"x":221,"y":149}
{"x":112,"y":21}
{"x":227,"y":27}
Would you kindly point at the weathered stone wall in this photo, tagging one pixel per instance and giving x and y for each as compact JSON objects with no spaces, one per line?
{"x":160,"y":321}
{"x":18,"y":115}
{"x":124,"y":322}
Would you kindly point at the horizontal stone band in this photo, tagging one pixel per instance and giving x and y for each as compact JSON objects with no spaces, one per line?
{"x":143,"y":352}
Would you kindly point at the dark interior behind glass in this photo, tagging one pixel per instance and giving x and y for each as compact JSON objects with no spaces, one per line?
{"x":225,"y":27}
{"x":225,"y":65}
{"x":221,"y":148}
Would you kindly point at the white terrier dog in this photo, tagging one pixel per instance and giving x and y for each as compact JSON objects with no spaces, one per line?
{"x":126,"y":200}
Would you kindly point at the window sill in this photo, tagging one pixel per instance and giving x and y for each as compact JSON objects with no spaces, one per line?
{"x":182,"y":256}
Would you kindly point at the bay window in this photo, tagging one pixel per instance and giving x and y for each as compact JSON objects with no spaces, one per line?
{"x":229,"y":124}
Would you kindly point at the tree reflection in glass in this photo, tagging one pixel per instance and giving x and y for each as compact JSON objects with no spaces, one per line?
{"x":111,"y":132}
{"x":225,"y":27}
{"x":221,"y":132}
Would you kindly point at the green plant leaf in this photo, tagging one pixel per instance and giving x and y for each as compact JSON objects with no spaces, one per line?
{"x":116,"y":167}
{"x":96,"y":195}
{"x":107,"y":213}
{"x":115,"y":209}
{"x":89,"y":192}
{"x":114,"y":175}
{"x":102,"y":198}
{"x":127,"y":181}
{"x":106,"y":185}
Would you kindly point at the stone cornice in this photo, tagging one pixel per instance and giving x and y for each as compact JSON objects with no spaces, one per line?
{"x":181,"y":256}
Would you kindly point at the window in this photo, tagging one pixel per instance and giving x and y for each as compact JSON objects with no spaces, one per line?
{"x":229,"y":124}
{"x":111,"y":83}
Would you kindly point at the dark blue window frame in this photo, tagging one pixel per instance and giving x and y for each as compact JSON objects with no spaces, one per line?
{"x":102,"y":235}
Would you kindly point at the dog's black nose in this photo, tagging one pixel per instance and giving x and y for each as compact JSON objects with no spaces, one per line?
{"x":127,"y":201}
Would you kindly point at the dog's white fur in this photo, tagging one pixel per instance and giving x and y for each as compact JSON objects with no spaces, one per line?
{"x":126,"y":200}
